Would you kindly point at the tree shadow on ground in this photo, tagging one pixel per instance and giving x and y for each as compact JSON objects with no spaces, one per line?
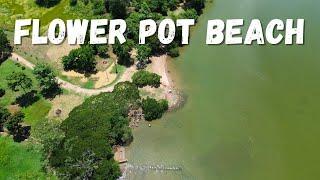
{"x":27,"y":99}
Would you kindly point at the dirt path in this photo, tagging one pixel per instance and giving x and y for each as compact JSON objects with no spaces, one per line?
{"x":63,"y":84}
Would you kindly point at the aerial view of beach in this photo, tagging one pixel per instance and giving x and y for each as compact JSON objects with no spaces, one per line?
{"x":159,"y":89}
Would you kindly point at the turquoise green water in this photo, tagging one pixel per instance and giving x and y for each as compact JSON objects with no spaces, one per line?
{"x":252,"y":111}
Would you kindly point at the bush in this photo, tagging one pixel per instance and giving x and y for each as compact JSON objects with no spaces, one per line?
{"x":47,"y":80}
{"x":47,"y":3}
{"x":5,"y":47}
{"x":2,"y":92}
{"x":80,"y":60}
{"x":144,"y":78}
{"x":174,"y":52}
{"x":189,"y":14}
{"x":98,"y":7}
{"x":73,"y":2}
{"x":154,"y":109}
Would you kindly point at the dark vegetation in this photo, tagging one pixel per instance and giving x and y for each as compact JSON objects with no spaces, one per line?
{"x":13,"y":124}
{"x":5,"y":47}
{"x":18,"y":81}
{"x":154,"y":109}
{"x":80,"y":60}
{"x":47,"y":3}
{"x":2,"y":92}
{"x":144,"y":78}
{"x":47,"y":80}
{"x":90,"y":132}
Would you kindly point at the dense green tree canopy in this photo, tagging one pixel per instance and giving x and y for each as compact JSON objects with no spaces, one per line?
{"x":144,"y":52}
{"x":47,"y":81}
{"x":91,"y":130}
{"x":123,"y":52}
{"x":80,"y":60}
{"x":144,"y":78}
{"x":153,"y":109}
{"x":19,"y":81}
{"x":47,"y":3}
{"x":118,"y":8}
{"x":5,"y":47}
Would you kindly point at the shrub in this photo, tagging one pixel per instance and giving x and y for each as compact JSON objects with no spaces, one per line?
{"x":144,"y":78}
{"x":47,"y":80}
{"x":189,"y":14}
{"x":47,"y":3}
{"x":174,"y":52}
{"x":4,"y":115}
{"x":98,"y":7}
{"x":73,"y":2}
{"x":154,"y":109}
{"x":2,"y":92}
{"x":5,"y":47}
{"x":80,"y":60}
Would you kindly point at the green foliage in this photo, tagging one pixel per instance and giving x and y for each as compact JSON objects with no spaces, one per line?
{"x":144,"y":52}
{"x":155,"y":45}
{"x":118,"y":8}
{"x":102,"y":51}
{"x":153,"y":109}
{"x":2,"y":92}
{"x":144,"y":78}
{"x":6,"y":69}
{"x":20,"y":161}
{"x":123,"y":52}
{"x":18,"y":80}
{"x":189,"y":14}
{"x":198,"y":5}
{"x":47,"y":3}
{"x":160,"y":6}
{"x":48,"y":133}
{"x":13,"y":125}
{"x":4,"y":115}
{"x":98,"y":7}
{"x":73,"y":2}
{"x":174,"y":52}
{"x":47,"y":81}
{"x":5,"y":47}
{"x":91,"y":130}
{"x":133,"y":25}
{"x":80,"y":60}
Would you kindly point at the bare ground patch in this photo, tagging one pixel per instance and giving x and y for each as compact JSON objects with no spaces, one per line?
{"x":63,"y":104}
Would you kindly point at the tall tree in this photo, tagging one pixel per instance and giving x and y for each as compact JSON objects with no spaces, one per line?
{"x":5,"y":47}
{"x":18,"y":80}
{"x":46,"y":78}
{"x":4,"y":115}
{"x":13,"y":124}
{"x":81,"y":60}
{"x":118,"y":8}
{"x":123,"y":52}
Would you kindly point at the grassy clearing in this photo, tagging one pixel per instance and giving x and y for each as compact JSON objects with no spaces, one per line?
{"x":19,"y":161}
{"x":7,"y":68}
{"x":36,"y":112}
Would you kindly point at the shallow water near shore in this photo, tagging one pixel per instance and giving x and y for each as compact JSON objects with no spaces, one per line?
{"x":252,"y":111}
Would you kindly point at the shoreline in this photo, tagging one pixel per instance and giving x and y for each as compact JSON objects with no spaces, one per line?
{"x":170,"y":91}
